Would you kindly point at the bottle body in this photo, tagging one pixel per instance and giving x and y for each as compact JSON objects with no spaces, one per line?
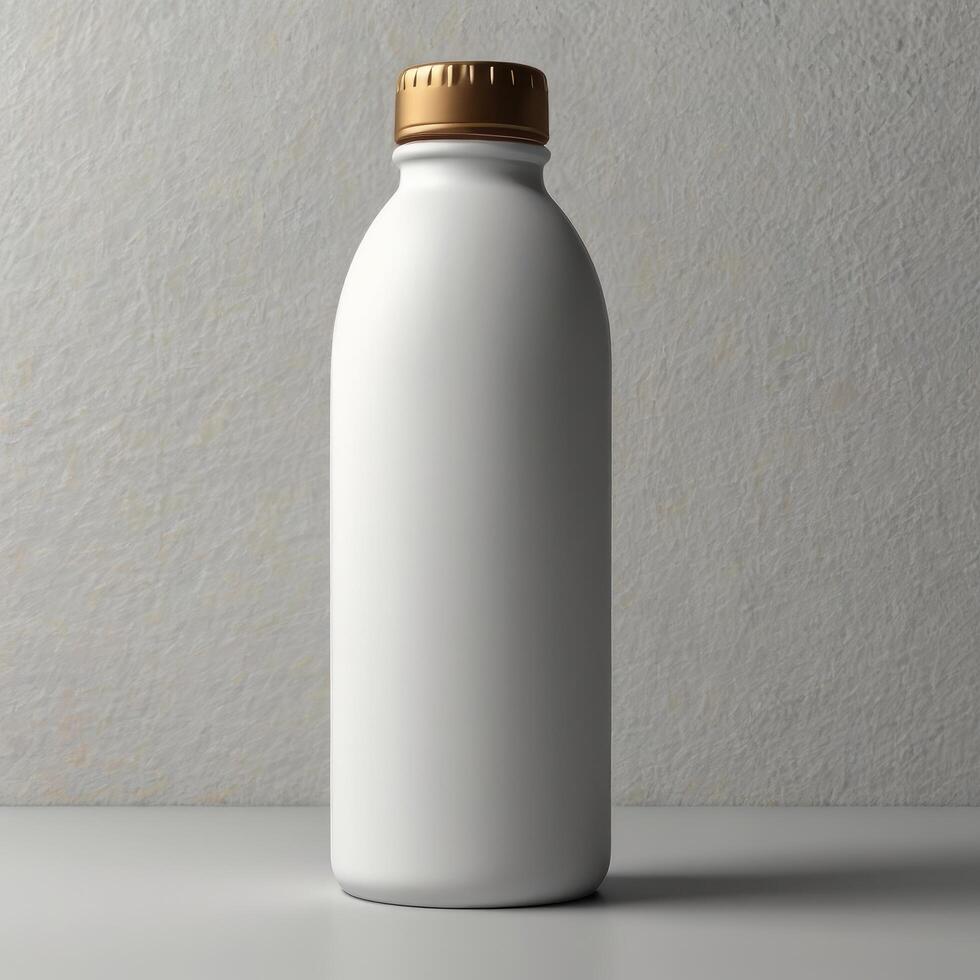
{"x":470,"y":542}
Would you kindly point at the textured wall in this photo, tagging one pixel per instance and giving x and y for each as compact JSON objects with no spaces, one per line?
{"x":782,"y":201}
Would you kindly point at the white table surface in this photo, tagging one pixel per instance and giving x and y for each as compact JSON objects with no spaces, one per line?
{"x":241,"y":893}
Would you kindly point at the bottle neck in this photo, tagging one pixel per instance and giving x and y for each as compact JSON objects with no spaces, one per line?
{"x":432,"y":160}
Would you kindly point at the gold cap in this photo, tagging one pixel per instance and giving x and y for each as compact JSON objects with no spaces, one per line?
{"x":471,"y":100}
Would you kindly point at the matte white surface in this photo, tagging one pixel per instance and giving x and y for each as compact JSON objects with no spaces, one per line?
{"x":781,"y":199}
{"x":692,"y":893}
{"x":470,"y":542}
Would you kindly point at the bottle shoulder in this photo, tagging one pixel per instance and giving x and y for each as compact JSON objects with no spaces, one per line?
{"x":479,"y":240}
{"x":494,"y":210}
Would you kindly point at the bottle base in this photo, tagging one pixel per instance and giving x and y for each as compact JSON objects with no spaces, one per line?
{"x":467,"y":898}
{"x":436,"y":903}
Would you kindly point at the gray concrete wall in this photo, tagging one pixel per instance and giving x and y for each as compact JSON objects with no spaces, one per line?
{"x":782,"y":202}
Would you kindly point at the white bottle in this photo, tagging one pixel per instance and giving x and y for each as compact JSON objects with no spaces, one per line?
{"x":470,"y":518}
